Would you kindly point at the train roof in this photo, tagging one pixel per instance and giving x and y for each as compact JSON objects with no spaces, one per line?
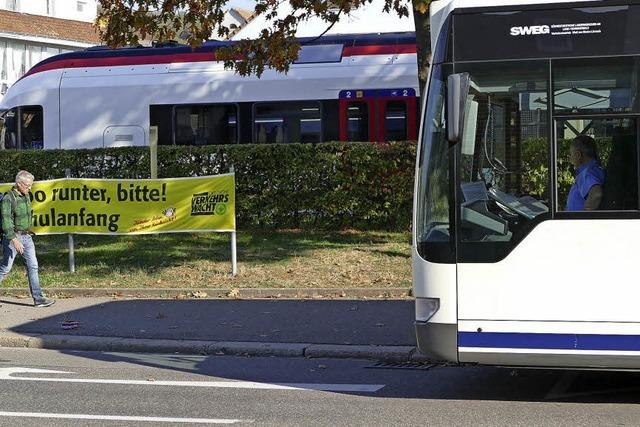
{"x":172,"y":52}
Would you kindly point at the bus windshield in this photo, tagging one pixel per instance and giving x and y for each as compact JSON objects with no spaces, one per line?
{"x":503,"y":162}
{"x":502,"y":158}
{"x":433,"y":213}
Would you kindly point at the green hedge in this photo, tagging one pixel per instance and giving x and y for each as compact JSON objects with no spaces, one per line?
{"x":329,"y":185}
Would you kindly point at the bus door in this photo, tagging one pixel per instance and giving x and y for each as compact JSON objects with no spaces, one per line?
{"x":397,"y":115}
{"x":357,"y":113}
{"x":506,"y":275}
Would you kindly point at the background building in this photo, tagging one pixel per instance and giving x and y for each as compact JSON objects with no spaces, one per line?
{"x":77,"y":10}
{"x":32,"y":30}
{"x":238,"y":17}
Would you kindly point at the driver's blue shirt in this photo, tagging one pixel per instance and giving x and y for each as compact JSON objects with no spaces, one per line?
{"x":587,"y":176}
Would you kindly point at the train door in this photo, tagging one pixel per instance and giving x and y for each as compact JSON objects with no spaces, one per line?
{"x":397,"y":119}
{"x":357,"y":116}
{"x":378,"y":115}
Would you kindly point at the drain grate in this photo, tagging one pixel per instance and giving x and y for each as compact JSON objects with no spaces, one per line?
{"x":402,"y":365}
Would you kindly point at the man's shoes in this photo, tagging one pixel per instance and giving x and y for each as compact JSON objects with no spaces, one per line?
{"x":44,"y":302}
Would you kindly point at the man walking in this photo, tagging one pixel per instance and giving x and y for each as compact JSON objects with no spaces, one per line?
{"x":16,"y":235}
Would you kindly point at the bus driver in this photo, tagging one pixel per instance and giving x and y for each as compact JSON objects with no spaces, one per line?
{"x":587,"y":189}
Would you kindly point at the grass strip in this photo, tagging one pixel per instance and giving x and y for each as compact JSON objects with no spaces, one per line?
{"x":266,"y":259}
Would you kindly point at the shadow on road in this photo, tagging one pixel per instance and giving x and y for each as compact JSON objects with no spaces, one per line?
{"x":283,"y":321}
{"x":311,"y":321}
{"x":16,"y":303}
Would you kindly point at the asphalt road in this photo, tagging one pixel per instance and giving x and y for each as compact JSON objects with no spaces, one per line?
{"x":145,"y":389}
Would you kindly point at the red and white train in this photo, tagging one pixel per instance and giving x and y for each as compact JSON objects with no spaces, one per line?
{"x":360,"y":87}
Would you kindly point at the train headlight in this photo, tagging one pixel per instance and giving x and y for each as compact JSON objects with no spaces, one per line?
{"x":426,"y":308}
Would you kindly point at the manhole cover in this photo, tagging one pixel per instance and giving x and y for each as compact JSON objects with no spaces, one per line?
{"x":402,"y":365}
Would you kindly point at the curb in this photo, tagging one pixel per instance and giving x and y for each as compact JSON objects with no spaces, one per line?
{"x":200,"y":293}
{"x":230,"y":348}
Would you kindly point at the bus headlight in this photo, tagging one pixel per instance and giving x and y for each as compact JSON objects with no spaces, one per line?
{"x":426,"y":308}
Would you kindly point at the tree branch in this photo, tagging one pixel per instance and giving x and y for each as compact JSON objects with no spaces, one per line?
{"x":330,"y":27}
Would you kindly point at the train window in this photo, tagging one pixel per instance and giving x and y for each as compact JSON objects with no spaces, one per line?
{"x":206,"y":124}
{"x":22,"y":128}
{"x":31,"y":129}
{"x":287,"y":122}
{"x":232,"y":128}
{"x":395,"y":121}
{"x":319,"y":53}
{"x":358,"y":121}
{"x":310,"y":130}
{"x":9,"y":130}
{"x":269,"y":130}
{"x":161,"y":116}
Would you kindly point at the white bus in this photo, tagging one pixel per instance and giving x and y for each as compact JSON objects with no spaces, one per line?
{"x":505,"y":270}
{"x":358,"y":87}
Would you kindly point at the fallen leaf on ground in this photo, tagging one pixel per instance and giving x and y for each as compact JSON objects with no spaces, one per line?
{"x":198,"y":294}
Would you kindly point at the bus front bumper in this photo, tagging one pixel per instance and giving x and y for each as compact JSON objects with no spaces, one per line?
{"x":438,"y":340}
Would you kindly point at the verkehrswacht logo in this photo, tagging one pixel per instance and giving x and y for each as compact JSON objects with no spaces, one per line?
{"x":209,"y":203}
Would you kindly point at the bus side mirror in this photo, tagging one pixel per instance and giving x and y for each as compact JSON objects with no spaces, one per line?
{"x":457,"y":92}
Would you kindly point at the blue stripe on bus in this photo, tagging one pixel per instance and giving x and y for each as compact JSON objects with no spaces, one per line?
{"x":549,"y":341}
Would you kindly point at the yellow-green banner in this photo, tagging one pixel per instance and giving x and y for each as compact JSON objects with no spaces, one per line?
{"x":133,"y":206}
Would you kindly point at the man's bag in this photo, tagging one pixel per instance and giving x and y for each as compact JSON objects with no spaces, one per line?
{"x":14,"y":202}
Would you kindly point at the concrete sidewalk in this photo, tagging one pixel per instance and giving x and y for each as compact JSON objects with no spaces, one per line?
{"x":375,"y":329}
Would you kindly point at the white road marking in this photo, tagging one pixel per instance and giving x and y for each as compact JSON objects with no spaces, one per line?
{"x":122,"y":418}
{"x":7,"y":374}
